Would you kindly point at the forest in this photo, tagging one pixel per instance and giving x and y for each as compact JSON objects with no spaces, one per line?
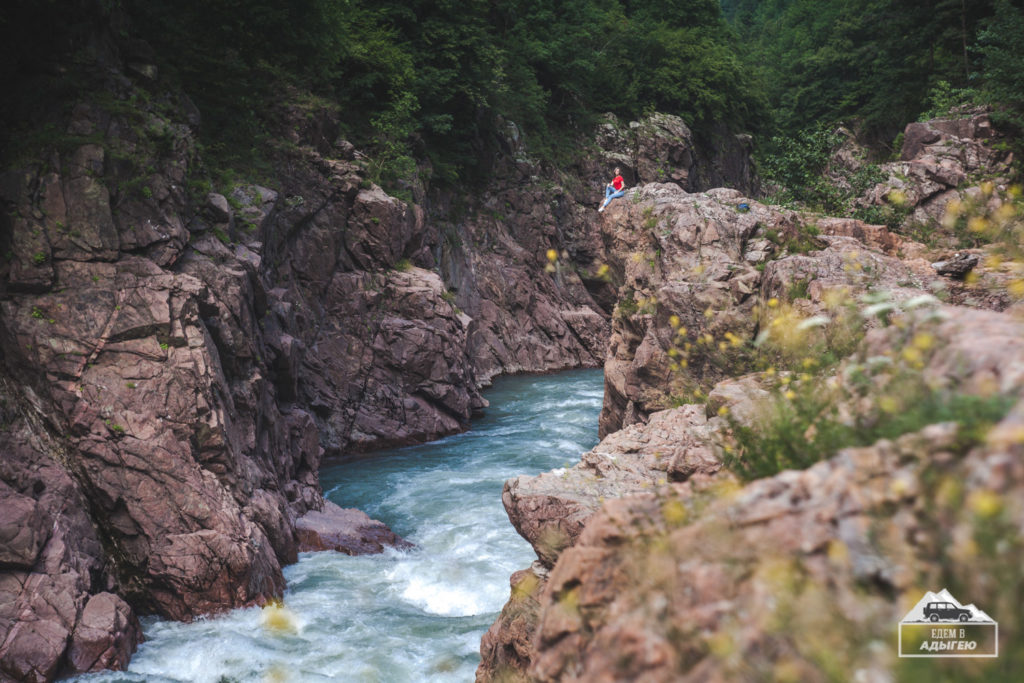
{"x":436,"y":79}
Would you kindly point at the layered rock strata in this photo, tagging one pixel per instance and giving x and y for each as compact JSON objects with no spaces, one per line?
{"x":938,"y":160}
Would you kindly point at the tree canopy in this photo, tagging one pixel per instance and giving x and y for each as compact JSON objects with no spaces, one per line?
{"x":438,"y":78}
{"x":442,"y":72}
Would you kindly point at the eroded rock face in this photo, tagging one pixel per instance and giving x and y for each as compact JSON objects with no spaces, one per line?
{"x":52,"y":561}
{"x":936,"y":161}
{"x":661,"y":148}
{"x":655,"y":583}
{"x":700,"y":259}
{"x":168,"y":392}
{"x":845,"y":546}
{"x":641,"y":577}
{"x":137,"y":394}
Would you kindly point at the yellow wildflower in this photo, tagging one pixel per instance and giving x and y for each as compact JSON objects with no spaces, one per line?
{"x":911,"y":354}
{"x":985,"y":504}
{"x":888,"y":404}
{"x":897,"y":198}
{"x":923,"y":341}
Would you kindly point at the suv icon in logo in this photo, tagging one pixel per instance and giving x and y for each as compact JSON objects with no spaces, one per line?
{"x":939,"y":626}
{"x":946,"y":611}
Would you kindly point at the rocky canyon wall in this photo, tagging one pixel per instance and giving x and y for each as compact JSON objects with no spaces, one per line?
{"x":176,"y":362}
{"x":661,"y":557}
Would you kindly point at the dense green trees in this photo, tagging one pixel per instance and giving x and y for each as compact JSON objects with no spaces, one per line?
{"x":1001,"y":45}
{"x":436,"y":75}
{"x":875,"y":60}
{"x":879,"y":63}
{"x":874,"y":66}
{"x":436,"y":78}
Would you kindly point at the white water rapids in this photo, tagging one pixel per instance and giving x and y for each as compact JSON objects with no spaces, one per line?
{"x":401,"y":616}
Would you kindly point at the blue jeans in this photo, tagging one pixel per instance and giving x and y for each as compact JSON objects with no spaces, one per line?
{"x":611,"y":193}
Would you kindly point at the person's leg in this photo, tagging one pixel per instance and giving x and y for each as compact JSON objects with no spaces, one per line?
{"x":607,"y":197}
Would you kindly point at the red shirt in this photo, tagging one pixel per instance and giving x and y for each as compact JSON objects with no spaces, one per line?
{"x":617,"y":183}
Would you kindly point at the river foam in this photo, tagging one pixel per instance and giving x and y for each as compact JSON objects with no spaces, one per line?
{"x":401,"y":616}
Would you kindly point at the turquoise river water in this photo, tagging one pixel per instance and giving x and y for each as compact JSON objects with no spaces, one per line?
{"x":400,"y":616}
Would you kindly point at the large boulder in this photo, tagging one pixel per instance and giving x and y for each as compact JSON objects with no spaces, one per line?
{"x":704,"y":263}
{"x":345,"y":530}
{"x":938,"y":159}
{"x":551,"y":509}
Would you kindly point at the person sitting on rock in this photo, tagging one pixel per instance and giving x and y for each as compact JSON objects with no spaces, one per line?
{"x":612,"y":190}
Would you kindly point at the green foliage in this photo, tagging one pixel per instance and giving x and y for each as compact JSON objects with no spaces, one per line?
{"x":798,"y":289}
{"x":627,"y":305}
{"x":889,"y":215}
{"x":799,"y":239}
{"x":943,"y":98}
{"x":806,"y":427}
{"x":443,"y":79}
{"x":1001,"y":45}
{"x":798,"y":164}
{"x":873,"y":60}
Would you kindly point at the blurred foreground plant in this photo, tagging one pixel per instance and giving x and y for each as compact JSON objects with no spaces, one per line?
{"x":809,"y":418}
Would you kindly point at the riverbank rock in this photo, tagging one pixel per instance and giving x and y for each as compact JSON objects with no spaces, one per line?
{"x":345,"y":530}
{"x":551,"y":509}
{"x":651,"y":571}
{"x":689,"y":581}
{"x":105,"y":636}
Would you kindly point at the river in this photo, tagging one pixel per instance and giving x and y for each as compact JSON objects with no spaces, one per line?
{"x":400,"y":616}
